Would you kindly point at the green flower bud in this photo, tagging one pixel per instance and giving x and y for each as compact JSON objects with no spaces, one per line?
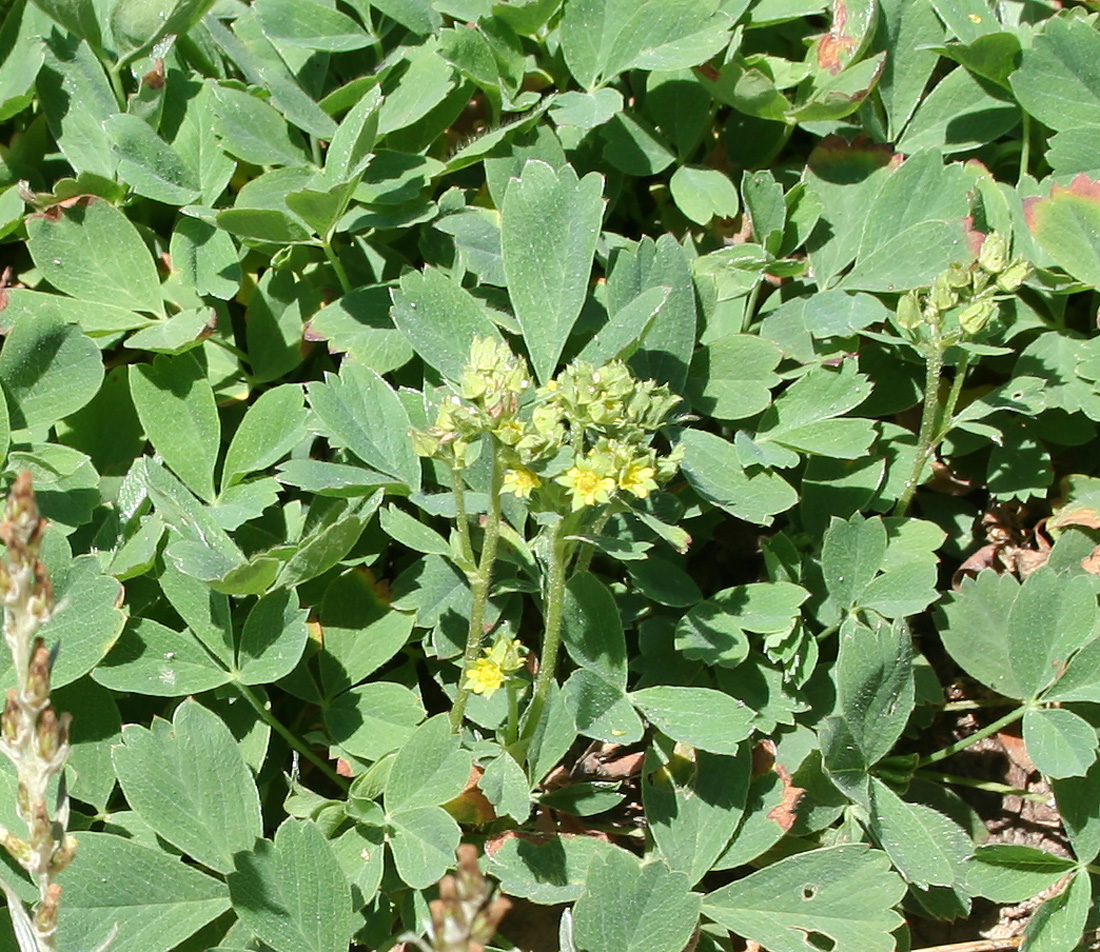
{"x":942,"y":296}
{"x":908,"y":312}
{"x":956,"y":276}
{"x":1014,"y":275}
{"x":975,"y":316}
{"x":994,"y":254}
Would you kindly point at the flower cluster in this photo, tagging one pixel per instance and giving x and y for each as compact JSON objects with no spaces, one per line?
{"x":968,"y":294}
{"x":490,"y":390}
{"x":578,"y":441}
{"x":487,"y":675}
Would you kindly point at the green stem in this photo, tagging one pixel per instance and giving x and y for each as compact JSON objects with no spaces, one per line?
{"x":988,"y":731}
{"x":977,"y":705}
{"x":295,"y":742}
{"x":511,"y":730}
{"x":341,"y":274}
{"x":585,"y":559}
{"x":926,"y":441}
{"x":1025,"y":146}
{"x":462,"y":520}
{"x":947,"y":422}
{"x":988,"y":785}
{"x":551,"y":639}
{"x":113,"y":75}
{"x":480,"y":587}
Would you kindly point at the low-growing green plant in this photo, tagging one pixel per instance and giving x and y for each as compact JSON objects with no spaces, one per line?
{"x":638,"y":448}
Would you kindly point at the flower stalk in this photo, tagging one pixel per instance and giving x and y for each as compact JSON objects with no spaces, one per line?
{"x":32,"y":734}
{"x":480,"y":585}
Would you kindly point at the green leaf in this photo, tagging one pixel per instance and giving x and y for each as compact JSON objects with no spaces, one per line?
{"x":633,"y":146}
{"x":628,"y":907}
{"x":271,"y":428}
{"x":154,"y":660}
{"x":707,"y":719}
{"x":137,"y":25}
{"x":412,"y":533}
{"x":549,"y":225}
{"x":430,"y":768}
{"x":1059,"y":742}
{"x":803,"y":418}
{"x":361,"y":632}
{"x":331,"y":541}
{"x":76,"y":97}
{"x":702,"y":193}
{"x":874,"y":684}
{"x":292,"y":894}
{"x":91,"y":251}
{"x":349,"y":152}
{"x":89,"y":617}
{"x":358,"y":411}
{"x":374,"y":719}
{"x":48,"y":370}
{"x":272,"y":639}
{"x":913,"y":228}
{"x":602,"y":38}
{"x":1015,"y":638}
{"x":1065,"y":226}
{"x":188,"y":781}
{"x":1056,"y":79}
{"x":665,"y":353}
{"x":1011,"y":872}
{"x":714,"y":469}
{"x":440,"y":319}
{"x":926,"y":847}
{"x":263,"y":66}
{"x":838,"y":897}
{"x":96,"y":730}
{"x":148,"y":164}
{"x":732,"y":377}
{"x":692,"y":818}
{"x":253,"y":130}
{"x":423,"y":841}
{"x":625,"y":329}
{"x":175,"y":403}
{"x":586,"y":110}
{"x":359,"y":324}
{"x":1079,"y":807}
{"x":150,"y":897}
{"x":311,"y":25}
{"x":600,"y":708}
{"x":207,"y":257}
{"x":79,"y":17}
{"x":592,"y":631}
{"x":1057,"y":925}
{"x":959,"y":115}
{"x":206,"y":613}
{"x":552,"y":871}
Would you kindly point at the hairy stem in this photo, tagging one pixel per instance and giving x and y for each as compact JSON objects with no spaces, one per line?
{"x":551,"y":639}
{"x":480,"y":585}
{"x":930,"y":415}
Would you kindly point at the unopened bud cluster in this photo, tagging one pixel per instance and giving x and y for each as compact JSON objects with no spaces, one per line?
{"x":967,"y":294}
{"x":587,"y":433}
{"x":465,"y":917}
{"x":32,"y":734}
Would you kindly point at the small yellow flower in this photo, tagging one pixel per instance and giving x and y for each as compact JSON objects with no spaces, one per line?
{"x":520,"y":481}
{"x":587,"y":485}
{"x":485,"y":677}
{"x":637,"y":478}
